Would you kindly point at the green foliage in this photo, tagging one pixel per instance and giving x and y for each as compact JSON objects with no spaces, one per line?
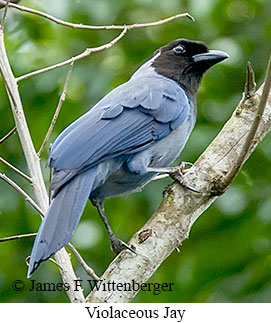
{"x":227,"y":256}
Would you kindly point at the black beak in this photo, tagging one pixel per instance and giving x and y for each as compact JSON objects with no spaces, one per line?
{"x":210,"y":58}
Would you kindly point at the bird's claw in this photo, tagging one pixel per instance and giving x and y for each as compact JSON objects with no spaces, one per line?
{"x":118,"y":245}
{"x":177,"y":174}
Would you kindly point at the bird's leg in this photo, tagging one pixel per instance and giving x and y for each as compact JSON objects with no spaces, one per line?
{"x":116,"y":244}
{"x":175,"y":172}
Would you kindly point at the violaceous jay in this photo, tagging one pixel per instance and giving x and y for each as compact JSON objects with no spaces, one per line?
{"x":135,"y":132}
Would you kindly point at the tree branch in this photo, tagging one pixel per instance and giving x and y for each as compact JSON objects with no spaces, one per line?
{"x":86,"y":53}
{"x":22,"y":192}
{"x":5,"y":15}
{"x":85,"y":266}
{"x":89,"y":27}
{"x":29,"y":179}
{"x":19,"y":236}
{"x":10,"y":133}
{"x":89,"y":51}
{"x":180,"y":208}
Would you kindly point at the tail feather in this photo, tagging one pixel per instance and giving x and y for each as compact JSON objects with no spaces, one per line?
{"x":61,"y":218}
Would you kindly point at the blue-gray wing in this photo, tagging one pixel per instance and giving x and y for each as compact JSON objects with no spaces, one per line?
{"x":128,"y":119}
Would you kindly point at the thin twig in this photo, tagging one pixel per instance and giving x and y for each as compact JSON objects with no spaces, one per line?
{"x":4,"y":15}
{"x":59,"y":106}
{"x":16,"y":170}
{"x":89,"y":51}
{"x":86,"y":53}
{"x":10,"y":133}
{"x":21,"y":191}
{"x":81,"y":26}
{"x":19,"y":236}
{"x":249,"y":140}
{"x":86,"y":267}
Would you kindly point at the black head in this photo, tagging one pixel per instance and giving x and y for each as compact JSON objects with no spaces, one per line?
{"x":185,"y":61}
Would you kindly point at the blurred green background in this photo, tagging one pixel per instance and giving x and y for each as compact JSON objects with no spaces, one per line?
{"x":227,"y":256}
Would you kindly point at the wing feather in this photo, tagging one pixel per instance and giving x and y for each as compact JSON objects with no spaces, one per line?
{"x":131,"y":117}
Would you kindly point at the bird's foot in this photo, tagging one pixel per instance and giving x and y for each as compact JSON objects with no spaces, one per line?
{"x":118,"y":245}
{"x":176,"y":173}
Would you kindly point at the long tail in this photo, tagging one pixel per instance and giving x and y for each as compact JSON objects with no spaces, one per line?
{"x":61,"y":218}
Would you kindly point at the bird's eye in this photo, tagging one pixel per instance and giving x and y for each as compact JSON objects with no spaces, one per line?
{"x":178,"y":50}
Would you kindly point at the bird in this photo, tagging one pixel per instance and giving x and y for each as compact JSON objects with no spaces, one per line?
{"x":133,"y":133}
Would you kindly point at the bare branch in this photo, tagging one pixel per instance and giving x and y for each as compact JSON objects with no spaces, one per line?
{"x":10,"y":133}
{"x":19,"y":236}
{"x":22,"y":128}
{"x":16,"y":170}
{"x":86,"y":267}
{"x":86,"y":53}
{"x":89,"y":51}
{"x":89,"y":27}
{"x":21,"y":191}
{"x":5,"y":15}
{"x":59,"y":106}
